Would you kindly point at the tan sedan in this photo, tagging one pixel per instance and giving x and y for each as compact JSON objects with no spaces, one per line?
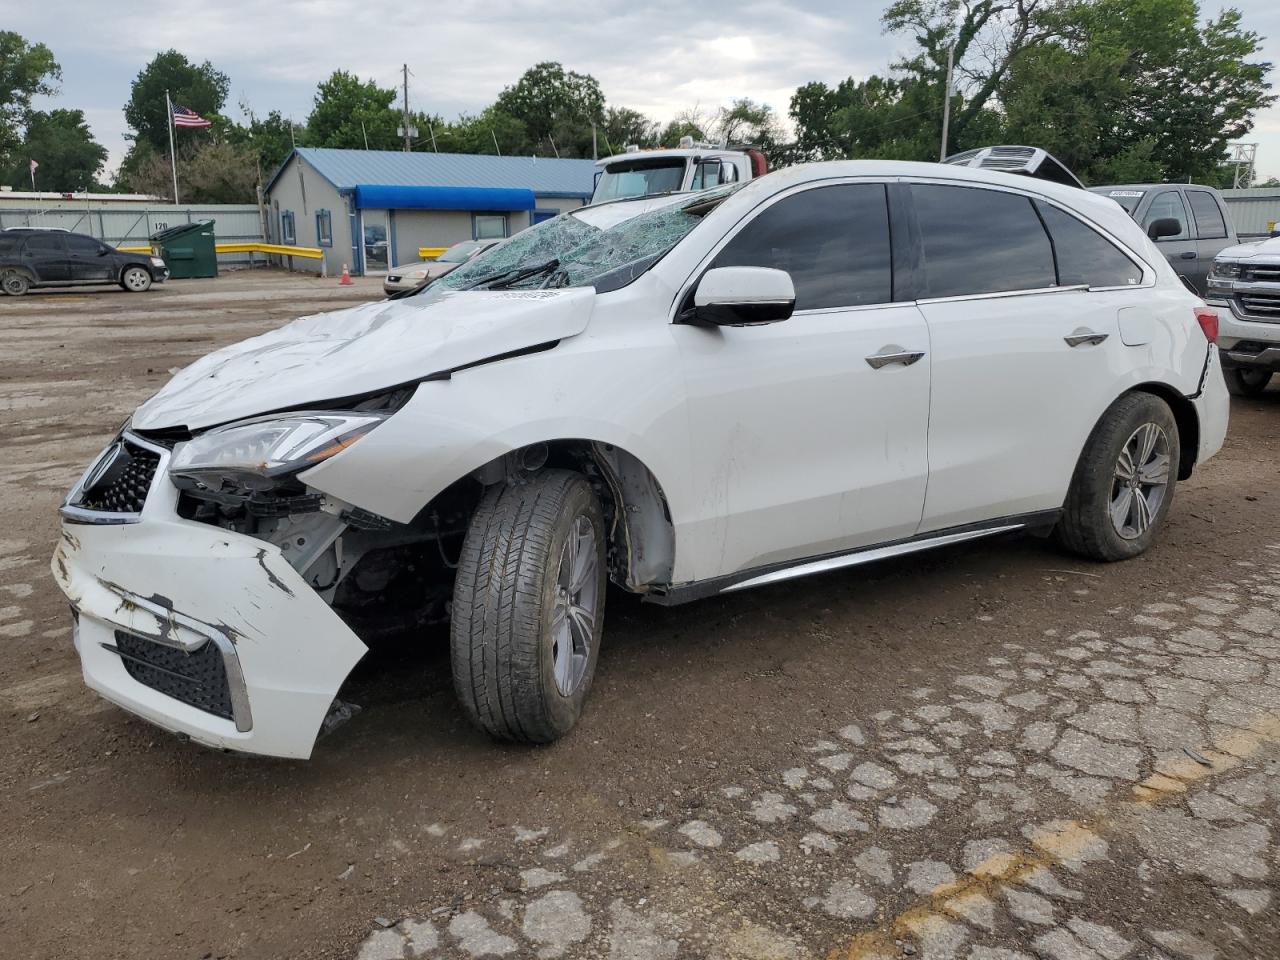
{"x":409,"y":276}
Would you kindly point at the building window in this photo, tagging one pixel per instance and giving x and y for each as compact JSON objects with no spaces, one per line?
{"x":489,"y":226}
{"x":324,"y":228}
{"x":288,"y":231}
{"x":539,"y":215}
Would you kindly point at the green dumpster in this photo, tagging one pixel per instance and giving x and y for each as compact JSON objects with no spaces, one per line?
{"x":188,"y":250}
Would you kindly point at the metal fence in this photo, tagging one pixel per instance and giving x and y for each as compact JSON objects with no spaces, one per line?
{"x":1255,"y":211}
{"x":131,"y":224}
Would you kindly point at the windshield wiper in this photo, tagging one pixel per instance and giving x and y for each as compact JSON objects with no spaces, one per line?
{"x":506,"y":278}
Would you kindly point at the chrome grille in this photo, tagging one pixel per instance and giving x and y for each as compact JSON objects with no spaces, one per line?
{"x":1263,"y":273}
{"x":1261,"y":304}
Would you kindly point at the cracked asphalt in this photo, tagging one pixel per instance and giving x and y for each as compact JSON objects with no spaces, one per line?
{"x":992,"y":752}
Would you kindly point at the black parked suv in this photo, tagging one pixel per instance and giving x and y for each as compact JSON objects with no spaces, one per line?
{"x":53,"y":258}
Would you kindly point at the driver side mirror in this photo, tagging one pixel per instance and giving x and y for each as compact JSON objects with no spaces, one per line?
{"x":742,"y":297}
{"x":1164,"y":227}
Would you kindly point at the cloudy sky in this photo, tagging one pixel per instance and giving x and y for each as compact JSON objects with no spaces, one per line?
{"x":658,"y":56}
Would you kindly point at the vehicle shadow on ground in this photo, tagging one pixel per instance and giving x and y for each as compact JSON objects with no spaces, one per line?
{"x":653,"y":658}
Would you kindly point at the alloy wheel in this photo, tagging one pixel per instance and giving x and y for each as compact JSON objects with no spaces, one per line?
{"x":573,"y":618}
{"x":137,"y":280}
{"x":1141,"y":481}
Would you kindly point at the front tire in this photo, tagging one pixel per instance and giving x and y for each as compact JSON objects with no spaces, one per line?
{"x":528,"y":607}
{"x":1123,"y":485}
{"x":135,"y":280}
{"x":1246,"y":382}
{"x":15,"y":284}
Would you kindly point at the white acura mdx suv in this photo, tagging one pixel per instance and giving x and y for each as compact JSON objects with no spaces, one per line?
{"x":686,"y":395}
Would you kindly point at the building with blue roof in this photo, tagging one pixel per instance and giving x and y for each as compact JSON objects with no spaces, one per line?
{"x":373,"y":210}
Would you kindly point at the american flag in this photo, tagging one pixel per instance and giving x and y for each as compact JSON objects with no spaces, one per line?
{"x":182,"y":117}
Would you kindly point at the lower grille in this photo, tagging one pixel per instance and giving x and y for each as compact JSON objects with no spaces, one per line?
{"x":197,"y":678}
{"x":123,"y":481}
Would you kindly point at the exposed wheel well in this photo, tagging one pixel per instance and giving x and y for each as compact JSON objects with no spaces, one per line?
{"x":1184,"y":414}
{"x":641,"y":537}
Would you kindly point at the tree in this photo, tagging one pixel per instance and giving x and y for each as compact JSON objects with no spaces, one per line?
{"x":197,"y":87}
{"x":61,"y":143}
{"x":557,"y":108}
{"x":687,"y":123}
{"x":623,"y":126}
{"x":268,"y":140}
{"x":219,"y":173}
{"x":210,"y":172}
{"x":26,"y":70}
{"x":746,"y":121}
{"x":1135,"y":90}
{"x":350,"y":112}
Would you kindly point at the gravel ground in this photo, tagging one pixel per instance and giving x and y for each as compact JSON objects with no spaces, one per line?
{"x":990,"y":752}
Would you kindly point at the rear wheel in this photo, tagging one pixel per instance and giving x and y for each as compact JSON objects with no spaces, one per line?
{"x":1123,"y":484}
{"x":1245,"y":382}
{"x":15,"y":284}
{"x":528,"y":607}
{"x":135,"y":280}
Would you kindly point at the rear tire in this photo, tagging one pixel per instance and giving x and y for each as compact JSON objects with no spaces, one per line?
{"x":1123,"y":485}
{"x":15,"y":284}
{"x":1244,"y":382}
{"x":135,"y":280}
{"x":528,"y":607}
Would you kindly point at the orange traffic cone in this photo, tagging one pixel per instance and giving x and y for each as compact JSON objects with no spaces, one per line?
{"x":346,"y":277}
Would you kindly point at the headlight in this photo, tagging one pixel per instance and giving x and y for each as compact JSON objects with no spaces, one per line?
{"x":254,"y":453}
{"x":418,"y":274}
{"x":157,"y":261}
{"x":1224,"y":270}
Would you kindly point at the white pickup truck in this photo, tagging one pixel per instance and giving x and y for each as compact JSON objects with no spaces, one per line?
{"x":1244,"y":287}
{"x":691,"y":166}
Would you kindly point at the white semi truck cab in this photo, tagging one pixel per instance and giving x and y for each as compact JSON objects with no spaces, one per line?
{"x":691,"y":166}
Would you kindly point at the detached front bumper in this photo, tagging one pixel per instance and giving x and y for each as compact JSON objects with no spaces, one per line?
{"x":200,"y":630}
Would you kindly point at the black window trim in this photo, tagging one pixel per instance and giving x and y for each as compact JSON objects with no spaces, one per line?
{"x":1148,"y":273}
{"x":888,"y":182}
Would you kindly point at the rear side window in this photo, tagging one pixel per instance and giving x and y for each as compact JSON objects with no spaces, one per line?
{"x":834,"y":241}
{"x":1083,"y":255}
{"x":1168,"y":205}
{"x":1209,"y":222}
{"x":980,"y":241}
{"x":45,"y":245}
{"x":83,"y":246}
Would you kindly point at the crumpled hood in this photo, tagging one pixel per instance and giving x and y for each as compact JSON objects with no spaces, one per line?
{"x":360,"y":350}
{"x":1269,"y":249}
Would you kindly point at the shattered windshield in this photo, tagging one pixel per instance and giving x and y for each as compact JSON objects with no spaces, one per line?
{"x":605,"y":247}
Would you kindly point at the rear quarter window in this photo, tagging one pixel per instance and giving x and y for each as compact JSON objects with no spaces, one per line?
{"x":8,"y":246}
{"x":1083,"y":255}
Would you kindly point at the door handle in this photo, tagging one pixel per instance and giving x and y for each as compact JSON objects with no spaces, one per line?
{"x":893,"y":354}
{"x":1189,"y":255}
{"x":1083,"y":336}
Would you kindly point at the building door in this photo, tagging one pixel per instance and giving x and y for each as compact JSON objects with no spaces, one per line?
{"x":376,"y":245}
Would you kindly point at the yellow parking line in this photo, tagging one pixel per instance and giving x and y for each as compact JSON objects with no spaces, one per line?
{"x":1056,"y":845}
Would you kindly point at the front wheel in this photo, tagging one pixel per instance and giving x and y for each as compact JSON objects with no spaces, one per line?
{"x":1246,"y":382}
{"x":15,"y":284}
{"x":1123,"y":485}
{"x":528,"y":607}
{"x":136,"y":280}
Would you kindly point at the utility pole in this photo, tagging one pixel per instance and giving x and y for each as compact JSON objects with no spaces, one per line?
{"x":406,"y":108}
{"x":595,"y":152}
{"x":946,"y":104}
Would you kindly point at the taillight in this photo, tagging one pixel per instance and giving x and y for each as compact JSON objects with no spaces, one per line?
{"x":1207,"y":317}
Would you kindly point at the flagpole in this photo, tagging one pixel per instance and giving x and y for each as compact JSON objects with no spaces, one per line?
{"x":173,"y":154}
